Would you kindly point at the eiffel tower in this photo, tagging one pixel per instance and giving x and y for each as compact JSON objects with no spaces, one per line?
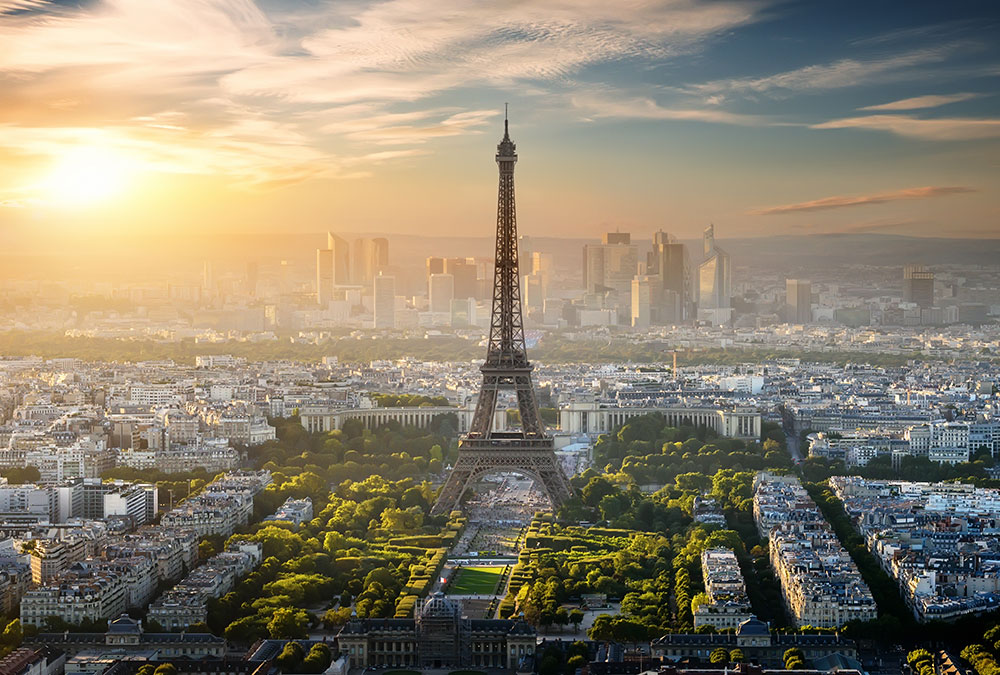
{"x":482,"y":450}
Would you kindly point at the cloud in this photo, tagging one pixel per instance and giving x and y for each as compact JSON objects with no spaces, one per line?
{"x":828,"y":203}
{"x":919,"y":102}
{"x":648,"y":109}
{"x":410,"y":127}
{"x":274,"y":94}
{"x":941,"y":129}
{"x":15,"y":6}
{"x":836,"y":75}
{"x":404,"y":50}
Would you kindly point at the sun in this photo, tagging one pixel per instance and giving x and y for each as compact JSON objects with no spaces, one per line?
{"x":85,"y":176}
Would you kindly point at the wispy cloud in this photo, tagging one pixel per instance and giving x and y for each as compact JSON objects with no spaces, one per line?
{"x":941,"y":129}
{"x":648,"y":109}
{"x":849,"y":72}
{"x":920,"y":102}
{"x":840,"y":202}
{"x":14,"y":6}
{"x":268,"y":95}
{"x":404,"y":50}
{"x":412,"y":127}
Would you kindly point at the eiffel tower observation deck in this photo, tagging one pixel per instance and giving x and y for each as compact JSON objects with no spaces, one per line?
{"x":528,"y":451}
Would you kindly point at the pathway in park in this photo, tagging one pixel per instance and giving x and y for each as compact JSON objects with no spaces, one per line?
{"x":498,"y":517}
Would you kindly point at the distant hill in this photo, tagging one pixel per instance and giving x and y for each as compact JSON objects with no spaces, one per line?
{"x":825,"y":250}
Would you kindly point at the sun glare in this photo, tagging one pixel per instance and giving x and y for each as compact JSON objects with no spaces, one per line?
{"x":86,"y":176}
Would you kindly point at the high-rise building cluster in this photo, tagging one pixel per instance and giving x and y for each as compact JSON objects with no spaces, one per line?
{"x":342,"y":264}
{"x":663,"y":289}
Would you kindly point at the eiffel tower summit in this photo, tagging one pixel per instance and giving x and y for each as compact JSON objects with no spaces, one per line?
{"x":482,"y":451}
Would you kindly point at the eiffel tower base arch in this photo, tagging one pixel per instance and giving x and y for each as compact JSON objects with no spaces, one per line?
{"x":540,"y":465}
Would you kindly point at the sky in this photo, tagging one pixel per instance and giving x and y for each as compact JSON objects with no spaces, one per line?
{"x":762,"y":117}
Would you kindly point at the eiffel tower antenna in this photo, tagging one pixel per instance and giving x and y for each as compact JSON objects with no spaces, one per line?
{"x":482,"y":451}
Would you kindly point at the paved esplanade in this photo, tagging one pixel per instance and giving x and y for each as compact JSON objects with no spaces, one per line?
{"x":529,"y":451}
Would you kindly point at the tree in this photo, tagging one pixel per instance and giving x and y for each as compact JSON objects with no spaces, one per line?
{"x":288,"y":624}
{"x":719,"y":656}
{"x":794,"y":658}
{"x":576,"y":617}
{"x":736,"y":656}
{"x":693,"y":482}
{"x":318,"y":659}
{"x":290,"y":657}
{"x":698,"y":600}
{"x":165,"y":669}
{"x":146,"y":669}
{"x":561,"y":617}
{"x":402,"y":521}
{"x":917,"y":656}
{"x":12,"y":634}
{"x":793,"y":652}
{"x":206,"y":549}
{"x":598,"y":488}
{"x":337,"y":617}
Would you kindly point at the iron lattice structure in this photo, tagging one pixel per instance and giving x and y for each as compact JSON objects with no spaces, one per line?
{"x":482,"y":450}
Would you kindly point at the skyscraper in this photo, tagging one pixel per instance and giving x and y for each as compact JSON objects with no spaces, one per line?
{"x":543,"y":265}
{"x":332,"y":267}
{"x":714,"y":282}
{"x":207,"y":280}
{"x":641,"y":296}
{"x":534,"y":297}
{"x":669,"y":260}
{"x":442,"y":292}
{"x":381,"y":253}
{"x":369,"y":257}
{"x":252,"y":278}
{"x":434,"y":266}
{"x":384,"y":302}
{"x":798,"y":301}
{"x":608,"y":267}
{"x":324,"y":276}
{"x":466,"y":276}
{"x":918,"y":286}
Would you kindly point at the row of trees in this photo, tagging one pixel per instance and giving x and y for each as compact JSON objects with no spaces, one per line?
{"x":553,"y":349}
{"x":818,"y":469}
{"x":354,"y":453}
{"x":408,"y":400}
{"x":294,"y":658}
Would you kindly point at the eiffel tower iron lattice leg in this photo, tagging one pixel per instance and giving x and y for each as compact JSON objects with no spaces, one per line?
{"x":528,"y":451}
{"x":472,"y":465}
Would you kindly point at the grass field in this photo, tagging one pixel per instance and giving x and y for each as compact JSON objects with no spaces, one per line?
{"x":475,"y":581}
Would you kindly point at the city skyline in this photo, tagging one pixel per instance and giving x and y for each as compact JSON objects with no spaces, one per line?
{"x":763,"y":118}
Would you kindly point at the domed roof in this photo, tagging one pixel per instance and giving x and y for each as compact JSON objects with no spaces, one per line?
{"x":438,"y":605}
{"x":753,"y":626}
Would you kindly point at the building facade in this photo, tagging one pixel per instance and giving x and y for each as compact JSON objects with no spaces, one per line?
{"x":438,"y":637}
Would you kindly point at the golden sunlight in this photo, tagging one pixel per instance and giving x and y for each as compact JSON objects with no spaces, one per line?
{"x":86,"y":175}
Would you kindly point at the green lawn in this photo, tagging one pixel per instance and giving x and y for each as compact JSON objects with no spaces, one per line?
{"x":476,"y":581}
